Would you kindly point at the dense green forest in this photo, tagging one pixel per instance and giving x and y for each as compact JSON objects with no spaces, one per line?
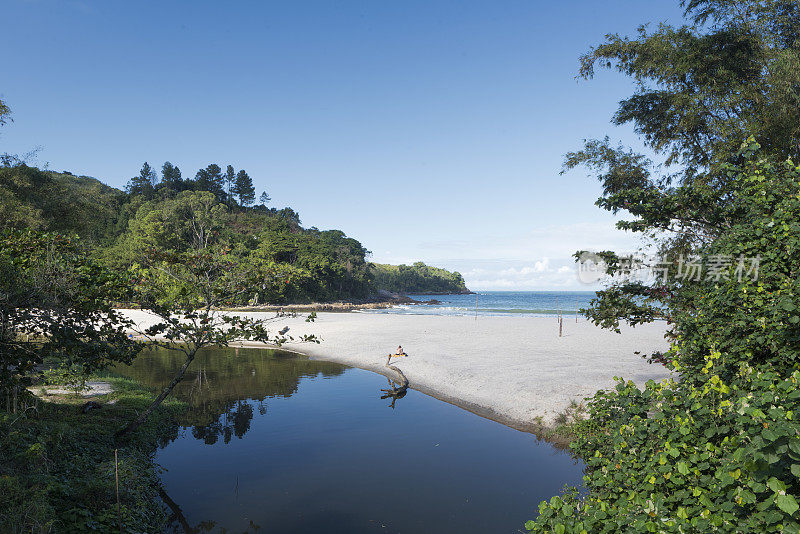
{"x":163,"y":211}
{"x":417,"y":279}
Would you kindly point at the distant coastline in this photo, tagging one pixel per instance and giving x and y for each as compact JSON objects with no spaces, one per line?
{"x":342,"y":306}
{"x":434,"y":293}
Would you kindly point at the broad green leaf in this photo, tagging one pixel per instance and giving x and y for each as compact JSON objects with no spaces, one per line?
{"x":787,"y":503}
{"x":776,"y":485}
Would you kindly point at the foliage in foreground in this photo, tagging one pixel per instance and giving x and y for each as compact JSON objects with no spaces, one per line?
{"x":57,"y":466}
{"x":54,"y":303}
{"x":669,"y":458}
{"x":720,"y":449}
{"x":702,"y":88}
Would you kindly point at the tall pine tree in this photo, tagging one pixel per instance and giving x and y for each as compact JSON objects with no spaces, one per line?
{"x":211,"y":179}
{"x":171,"y":177}
{"x":230,"y":183}
{"x":144,"y":183}
{"x":243,"y":188}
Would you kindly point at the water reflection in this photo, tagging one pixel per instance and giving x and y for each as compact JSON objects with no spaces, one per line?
{"x":221,"y":381}
{"x":177,"y":522}
{"x":315,"y":460}
{"x":395,"y":391}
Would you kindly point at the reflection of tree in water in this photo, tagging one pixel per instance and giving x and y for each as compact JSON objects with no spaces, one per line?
{"x":394,"y":391}
{"x":234,"y":421}
{"x":177,"y":522}
{"x":398,"y":387}
{"x":225,"y":379}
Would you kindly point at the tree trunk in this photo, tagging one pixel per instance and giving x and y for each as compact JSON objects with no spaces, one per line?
{"x":177,"y":513}
{"x":136,"y":423}
{"x":403,"y":383}
{"x":397,"y":389}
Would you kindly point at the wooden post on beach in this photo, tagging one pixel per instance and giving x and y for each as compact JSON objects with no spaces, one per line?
{"x":476,"y":306}
{"x":560,"y":321}
{"x":558,"y":315}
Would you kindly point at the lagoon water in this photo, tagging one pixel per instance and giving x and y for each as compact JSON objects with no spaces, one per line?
{"x":518,"y":303}
{"x":279,"y":443}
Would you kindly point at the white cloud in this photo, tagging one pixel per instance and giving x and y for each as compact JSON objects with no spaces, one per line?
{"x":537,"y":259}
{"x":542,"y":274}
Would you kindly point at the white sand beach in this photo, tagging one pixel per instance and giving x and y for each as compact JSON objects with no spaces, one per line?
{"x":510,"y":369}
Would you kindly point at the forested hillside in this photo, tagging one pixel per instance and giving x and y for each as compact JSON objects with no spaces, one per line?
{"x":42,"y":200}
{"x":417,"y":278}
{"x":165,"y":212}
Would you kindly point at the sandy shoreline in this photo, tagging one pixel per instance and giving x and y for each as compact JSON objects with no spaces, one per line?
{"x":515,"y":370}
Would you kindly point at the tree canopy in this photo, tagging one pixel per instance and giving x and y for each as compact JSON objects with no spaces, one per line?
{"x":55,"y":302}
{"x":211,"y":179}
{"x":34,"y":199}
{"x":297,"y":264}
{"x":732,"y":72}
{"x":144,"y":183}
{"x":243,"y":188}
{"x":716,"y":448}
{"x":417,"y":278}
{"x":171,"y":177}
{"x":5,"y":113}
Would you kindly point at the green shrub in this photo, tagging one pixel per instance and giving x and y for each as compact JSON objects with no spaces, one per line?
{"x":720,"y":448}
{"x":688,"y":458}
{"x":57,"y":471}
{"x":69,"y":376}
{"x":24,"y":507}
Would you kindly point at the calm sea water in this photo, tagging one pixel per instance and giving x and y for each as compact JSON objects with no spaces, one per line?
{"x":279,"y":443}
{"x":530,"y":303}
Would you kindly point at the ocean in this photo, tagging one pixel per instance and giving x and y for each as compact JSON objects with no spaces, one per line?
{"x":516,"y":303}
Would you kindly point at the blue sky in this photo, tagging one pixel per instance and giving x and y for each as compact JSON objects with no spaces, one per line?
{"x":428,"y":130}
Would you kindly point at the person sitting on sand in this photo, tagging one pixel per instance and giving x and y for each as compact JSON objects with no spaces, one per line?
{"x":397,"y":354}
